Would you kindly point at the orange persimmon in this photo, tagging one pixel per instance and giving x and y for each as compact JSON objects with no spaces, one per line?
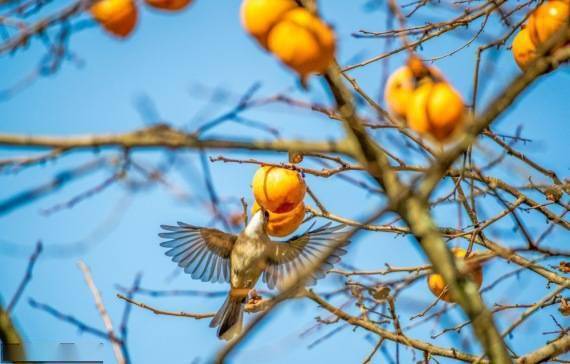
{"x":437,"y":285}
{"x":402,"y":83}
{"x":435,"y":109}
{"x":398,"y":91}
{"x":118,"y":17}
{"x":524,"y":50}
{"x":168,"y":5}
{"x":278,"y":189}
{"x":283,"y":224}
{"x":547,"y":19}
{"x":303,"y":42}
{"x":258,"y":17}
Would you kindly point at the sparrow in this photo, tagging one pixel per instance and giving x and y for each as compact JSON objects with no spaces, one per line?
{"x":211,"y":255}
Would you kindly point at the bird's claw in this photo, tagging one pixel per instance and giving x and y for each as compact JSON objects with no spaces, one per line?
{"x":254,"y":297}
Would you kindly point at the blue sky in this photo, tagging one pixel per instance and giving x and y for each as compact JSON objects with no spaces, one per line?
{"x":166,"y":60}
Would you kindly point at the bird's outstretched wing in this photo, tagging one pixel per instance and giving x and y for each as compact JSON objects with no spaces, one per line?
{"x":203,"y":253}
{"x":287,"y":258}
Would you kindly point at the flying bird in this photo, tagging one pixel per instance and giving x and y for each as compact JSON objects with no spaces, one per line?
{"x":211,"y":255}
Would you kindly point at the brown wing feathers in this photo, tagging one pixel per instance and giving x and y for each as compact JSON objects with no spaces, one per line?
{"x":203,"y":253}
{"x":287,"y":258}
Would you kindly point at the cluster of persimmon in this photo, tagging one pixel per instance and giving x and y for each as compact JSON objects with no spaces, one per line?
{"x":297,"y":37}
{"x":119,"y":17}
{"x":545,"y":21}
{"x":280,"y":191}
{"x":438,"y":286}
{"x":421,"y":96}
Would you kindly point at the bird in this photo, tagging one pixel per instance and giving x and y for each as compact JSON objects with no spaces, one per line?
{"x":211,"y":255}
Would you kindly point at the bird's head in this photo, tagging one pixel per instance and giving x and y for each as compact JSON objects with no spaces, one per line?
{"x":258,"y":224}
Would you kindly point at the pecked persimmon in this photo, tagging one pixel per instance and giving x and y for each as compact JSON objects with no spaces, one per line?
{"x":278,"y":189}
{"x":258,"y":17}
{"x":437,"y":285}
{"x":524,"y":50}
{"x":303,"y":42}
{"x":283,"y":224}
{"x":118,"y":17}
{"x":547,"y":19}
{"x":168,"y":5}
{"x":435,"y":109}
{"x":398,"y":91}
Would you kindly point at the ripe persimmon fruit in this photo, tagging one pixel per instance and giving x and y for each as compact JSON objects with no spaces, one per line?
{"x":277,"y":189}
{"x":168,"y":5}
{"x":547,"y":19}
{"x":118,"y":17}
{"x":303,"y":42}
{"x":283,"y":224}
{"x":437,"y":285}
{"x":435,"y":109}
{"x":258,"y":17}
{"x":398,"y":91}
{"x":402,"y":83}
{"x":524,"y":50}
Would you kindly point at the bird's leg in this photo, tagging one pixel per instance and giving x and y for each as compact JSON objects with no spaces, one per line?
{"x":256,"y":303}
{"x":254,"y":297}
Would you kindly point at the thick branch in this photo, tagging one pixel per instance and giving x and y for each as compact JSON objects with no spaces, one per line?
{"x":8,"y":332}
{"x":163,"y":136}
{"x":415,"y":212}
{"x":10,"y":335}
{"x":547,"y":352}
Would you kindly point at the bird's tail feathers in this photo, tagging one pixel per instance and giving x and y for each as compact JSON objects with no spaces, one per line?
{"x":229,"y":318}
